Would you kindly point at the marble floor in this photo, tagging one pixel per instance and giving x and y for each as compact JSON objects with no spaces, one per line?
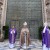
{"x":36,"y":45}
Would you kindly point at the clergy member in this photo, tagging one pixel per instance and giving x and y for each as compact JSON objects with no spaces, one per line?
{"x":22,"y":35}
{"x":46,"y":37}
{"x":12,"y":37}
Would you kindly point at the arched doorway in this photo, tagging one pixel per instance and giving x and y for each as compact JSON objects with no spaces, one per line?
{"x":25,"y":10}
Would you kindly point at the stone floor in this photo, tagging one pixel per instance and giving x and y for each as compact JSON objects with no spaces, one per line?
{"x":37,"y":45}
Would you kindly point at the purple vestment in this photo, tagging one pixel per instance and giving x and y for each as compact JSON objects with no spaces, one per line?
{"x":12,"y":35}
{"x":46,"y":38}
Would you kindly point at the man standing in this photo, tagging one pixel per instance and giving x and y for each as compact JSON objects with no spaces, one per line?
{"x":25,"y":35}
{"x":12,"y":37}
{"x":46,"y":37}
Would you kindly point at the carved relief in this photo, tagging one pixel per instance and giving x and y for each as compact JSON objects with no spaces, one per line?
{"x":48,"y":7}
{"x":1,"y":2}
{"x":47,"y":3}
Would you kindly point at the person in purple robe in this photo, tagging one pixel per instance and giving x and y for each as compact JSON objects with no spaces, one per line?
{"x":12,"y":37}
{"x":46,"y":37}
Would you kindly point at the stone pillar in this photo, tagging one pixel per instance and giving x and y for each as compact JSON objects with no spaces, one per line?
{"x":46,"y":11}
{"x":1,"y":4}
{"x":3,"y":18}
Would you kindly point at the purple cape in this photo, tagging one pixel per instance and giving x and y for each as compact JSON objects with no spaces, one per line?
{"x":46,"y":38}
{"x":10,"y":35}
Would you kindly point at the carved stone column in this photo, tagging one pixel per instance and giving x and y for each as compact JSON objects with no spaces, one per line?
{"x":46,"y":11}
{"x":3,"y":8}
{"x":1,"y":4}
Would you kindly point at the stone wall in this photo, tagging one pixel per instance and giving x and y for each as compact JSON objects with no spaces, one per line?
{"x":19,"y":11}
